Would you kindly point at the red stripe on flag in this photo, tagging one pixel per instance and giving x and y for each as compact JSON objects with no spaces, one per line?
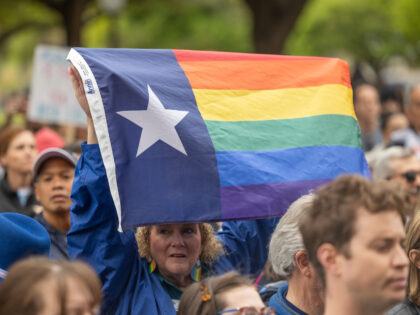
{"x":191,"y":55}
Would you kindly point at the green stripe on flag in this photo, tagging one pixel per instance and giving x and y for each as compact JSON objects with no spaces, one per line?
{"x":286,"y":133}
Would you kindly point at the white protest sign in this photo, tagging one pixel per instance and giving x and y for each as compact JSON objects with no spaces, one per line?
{"x":52,"y":97}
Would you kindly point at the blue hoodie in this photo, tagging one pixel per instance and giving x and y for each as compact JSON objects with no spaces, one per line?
{"x":128,"y":287}
{"x":281,"y":305}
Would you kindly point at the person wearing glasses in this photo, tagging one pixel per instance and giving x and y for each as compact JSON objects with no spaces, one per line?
{"x":402,"y":166}
{"x":230,"y":294}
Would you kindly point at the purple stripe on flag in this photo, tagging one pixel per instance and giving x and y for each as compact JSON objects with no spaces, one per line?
{"x":264,"y":200}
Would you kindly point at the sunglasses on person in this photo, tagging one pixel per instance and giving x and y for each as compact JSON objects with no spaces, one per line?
{"x":410,"y":176}
{"x":250,"y":311}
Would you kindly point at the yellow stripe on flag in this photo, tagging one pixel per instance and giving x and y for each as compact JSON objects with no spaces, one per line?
{"x":253,"y":105}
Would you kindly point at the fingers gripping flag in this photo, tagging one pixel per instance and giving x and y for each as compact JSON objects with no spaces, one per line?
{"x":192,"y":136}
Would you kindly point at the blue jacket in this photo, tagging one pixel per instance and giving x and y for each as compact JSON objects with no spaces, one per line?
{"x":128,"y":288}
{"x":281,"y":305}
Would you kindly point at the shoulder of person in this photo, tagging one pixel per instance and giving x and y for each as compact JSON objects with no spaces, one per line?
{"x":406,"y":307}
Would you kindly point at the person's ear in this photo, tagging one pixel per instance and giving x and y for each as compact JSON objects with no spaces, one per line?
{"x":329,"y":258}
{"x":414,"y":257}
{"x":302,"y":262}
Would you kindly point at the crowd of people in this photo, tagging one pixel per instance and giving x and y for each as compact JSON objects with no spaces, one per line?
{"x":350,"y":247}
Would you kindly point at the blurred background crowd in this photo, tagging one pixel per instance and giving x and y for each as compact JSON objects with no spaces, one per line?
{"x":378,"y":38}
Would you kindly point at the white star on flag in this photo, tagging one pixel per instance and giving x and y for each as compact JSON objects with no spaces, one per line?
{"x":158,"y":123}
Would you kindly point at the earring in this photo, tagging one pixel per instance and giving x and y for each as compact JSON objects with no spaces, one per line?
{"x":152,"y":265}
{"x":196,"y":271}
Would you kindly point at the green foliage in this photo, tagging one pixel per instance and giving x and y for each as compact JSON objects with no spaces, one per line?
{"x":23,"y":24}
{"x":405,"y":14}
{"x":186,"y":24}
{"x":183,"y":24}
{"x":359,"y":30}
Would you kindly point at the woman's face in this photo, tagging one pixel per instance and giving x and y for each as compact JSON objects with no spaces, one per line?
{"x":21,"y":153}
{"x":175,"y":249}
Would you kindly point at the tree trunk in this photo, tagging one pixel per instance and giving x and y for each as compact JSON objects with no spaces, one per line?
{"x":72,"y":19}
{"x":273,"y":21}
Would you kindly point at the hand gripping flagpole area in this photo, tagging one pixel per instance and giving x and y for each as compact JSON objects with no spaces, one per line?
{"x":96,"y":106}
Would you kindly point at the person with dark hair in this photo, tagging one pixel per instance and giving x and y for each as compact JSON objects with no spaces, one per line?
{"x":39,"y":285}
{"x":17,"y":154}
{"x":390,"y":123}
{"x":392,"y":99}
{"x":354,"y":236}
{"x":149,"y":275}
{"x":230,"y":293}
{"x":53,"y":173}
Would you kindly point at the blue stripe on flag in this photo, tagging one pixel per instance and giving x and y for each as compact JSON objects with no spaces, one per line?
{"x":237,"y":168}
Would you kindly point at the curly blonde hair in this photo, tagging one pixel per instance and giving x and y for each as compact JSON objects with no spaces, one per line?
{"x":211,"y":248}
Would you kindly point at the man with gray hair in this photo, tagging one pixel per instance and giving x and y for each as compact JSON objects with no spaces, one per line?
{"x":400,"y":165}
{"x":302,"y":293}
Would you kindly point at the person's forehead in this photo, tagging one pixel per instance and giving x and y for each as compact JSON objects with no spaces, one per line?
{"x":175,"y":226}
{"x":385,"y":224}
{"x":408,"y":163}
{"x":397,"y":119}
{"x":22,"y":137}
{"x":242,"y":296}
{"x":367,"y":91}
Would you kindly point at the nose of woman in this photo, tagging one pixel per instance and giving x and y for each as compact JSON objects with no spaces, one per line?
{"x":177,"y":239}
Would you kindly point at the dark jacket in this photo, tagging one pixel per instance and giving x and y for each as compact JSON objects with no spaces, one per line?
{"x":128,"y":287}
{"x":9,"y":201}
{"x":58,"y":238}
{"x":405,"y":308}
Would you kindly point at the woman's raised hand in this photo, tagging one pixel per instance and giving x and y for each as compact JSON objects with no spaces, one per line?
{"x":79,"y":90}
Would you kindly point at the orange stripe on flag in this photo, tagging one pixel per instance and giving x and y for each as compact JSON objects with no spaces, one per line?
{"x":265,"y":74}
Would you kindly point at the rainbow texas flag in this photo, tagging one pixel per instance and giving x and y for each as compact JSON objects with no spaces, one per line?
{"x":192,"y":136}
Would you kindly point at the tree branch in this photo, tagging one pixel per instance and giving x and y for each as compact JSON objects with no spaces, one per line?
{"x":4,"y":36}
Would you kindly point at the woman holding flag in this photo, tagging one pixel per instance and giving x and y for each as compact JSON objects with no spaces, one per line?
{"x":146,"y":273}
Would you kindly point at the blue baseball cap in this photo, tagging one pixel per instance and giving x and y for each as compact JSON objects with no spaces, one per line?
{"x":20,"y":237}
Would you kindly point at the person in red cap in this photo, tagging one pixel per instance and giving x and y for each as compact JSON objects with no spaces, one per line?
{"x":48,"y":138}
{"x":53,"y":175}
